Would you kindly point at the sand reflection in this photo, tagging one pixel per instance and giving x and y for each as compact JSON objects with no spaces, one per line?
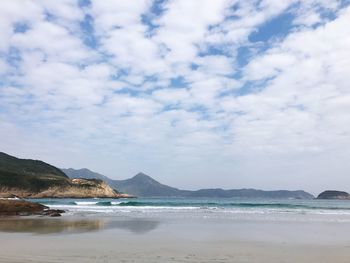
{"x":136,"y":226}
{"x":51,"y":226}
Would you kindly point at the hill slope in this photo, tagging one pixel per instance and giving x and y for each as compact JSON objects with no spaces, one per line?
{"x":35,"y":179}
{"x":145,"y":186}
{"x":31,"y":175}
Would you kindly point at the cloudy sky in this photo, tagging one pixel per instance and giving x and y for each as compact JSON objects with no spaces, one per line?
{"x":210,"y":93}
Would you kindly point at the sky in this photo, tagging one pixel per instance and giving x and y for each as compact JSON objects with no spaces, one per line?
{"x":196,"y":94}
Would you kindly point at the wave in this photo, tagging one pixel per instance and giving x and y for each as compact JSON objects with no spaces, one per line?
{"x":151,"y":204}
{"x":83,"y":203}
{"x":54,"y":202}
{"x":230,"y":205}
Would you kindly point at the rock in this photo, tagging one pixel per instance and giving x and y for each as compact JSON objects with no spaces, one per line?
{"x":20,"y":207}
{"x":78,"y":188}
{"x":332,"y":194}
{"x":75,"y":188}
{"x":25,"y":208}
{"x":55,"y":214}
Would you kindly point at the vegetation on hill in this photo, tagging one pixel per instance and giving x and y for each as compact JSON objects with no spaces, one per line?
{"x":36,"y":179}
{"x":28,"y":167}
{"x":31,"y":175}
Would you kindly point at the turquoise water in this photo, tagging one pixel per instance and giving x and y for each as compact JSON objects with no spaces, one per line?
{"x":202,"y":206}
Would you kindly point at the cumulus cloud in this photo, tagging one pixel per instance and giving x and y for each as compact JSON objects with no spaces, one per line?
{"x":197,"y":93}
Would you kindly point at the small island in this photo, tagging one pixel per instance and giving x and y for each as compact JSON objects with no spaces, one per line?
{"x":334,"y":195}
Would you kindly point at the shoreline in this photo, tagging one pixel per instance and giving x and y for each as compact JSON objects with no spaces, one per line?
{"x":111,"y":233}
{"x":129,"y":239}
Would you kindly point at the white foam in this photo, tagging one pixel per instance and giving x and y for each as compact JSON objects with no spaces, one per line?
{"x":10,"y":198}
{"x":86,"y":203}
{"x":269,"y":214}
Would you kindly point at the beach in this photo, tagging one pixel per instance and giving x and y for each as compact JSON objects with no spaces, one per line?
{"x":155,"y":238}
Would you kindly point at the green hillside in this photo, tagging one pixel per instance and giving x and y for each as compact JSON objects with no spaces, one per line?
{"x":31,"y":175}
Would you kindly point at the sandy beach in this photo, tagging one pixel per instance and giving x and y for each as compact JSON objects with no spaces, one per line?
{"x":79,"y":239}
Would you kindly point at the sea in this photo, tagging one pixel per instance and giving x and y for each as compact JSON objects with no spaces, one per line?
{"x":226,"y":208}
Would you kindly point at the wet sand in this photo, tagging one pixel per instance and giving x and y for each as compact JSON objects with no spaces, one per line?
{"x":79,"y":239}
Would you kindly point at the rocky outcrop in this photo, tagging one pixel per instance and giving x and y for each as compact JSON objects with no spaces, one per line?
{"x":80,"y":188}
{"x":332,"y":194}
{"x":25,"y":208}
{"x":76,"y":188}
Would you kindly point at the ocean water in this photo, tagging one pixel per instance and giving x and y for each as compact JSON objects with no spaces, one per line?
{"x":234,"y":208}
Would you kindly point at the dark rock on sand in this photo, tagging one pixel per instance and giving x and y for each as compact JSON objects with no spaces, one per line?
{"x":25,"y":208}
{"x":53,"y":212}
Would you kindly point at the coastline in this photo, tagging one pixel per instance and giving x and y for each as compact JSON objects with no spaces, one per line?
{"x":178,"y":230}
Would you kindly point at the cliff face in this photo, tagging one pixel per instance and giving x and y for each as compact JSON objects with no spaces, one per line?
{"x":80,"y":188}
{"x":75,"y":188}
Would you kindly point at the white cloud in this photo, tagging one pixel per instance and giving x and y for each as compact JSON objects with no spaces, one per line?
{"x":184,"y":25}
{"x":269,"y":65}
{"x":3,"y":67}
{"x":293,"y":112}
{"x":171,"y":96}
{"x":44,"y":37}
{"x":110,"y":14}
{"x":176,"y":95}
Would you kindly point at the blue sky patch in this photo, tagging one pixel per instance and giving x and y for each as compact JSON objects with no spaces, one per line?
{"x":277,"y":27}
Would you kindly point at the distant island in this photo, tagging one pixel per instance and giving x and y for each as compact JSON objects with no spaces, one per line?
{"x":332,"y":194}
{"x":36,"y":179}
{"x":142,"y":185}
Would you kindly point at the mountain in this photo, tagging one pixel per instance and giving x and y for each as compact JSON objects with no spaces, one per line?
{"x":139,"y":185}
{"x":250,"y":193}
{"x":37,"y":179}
{"x":143,"y":185}
{"x":332,"y":194}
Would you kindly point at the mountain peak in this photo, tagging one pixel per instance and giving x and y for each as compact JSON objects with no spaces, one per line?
{"x":141,"y":175}
{"x":85,"y":170}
